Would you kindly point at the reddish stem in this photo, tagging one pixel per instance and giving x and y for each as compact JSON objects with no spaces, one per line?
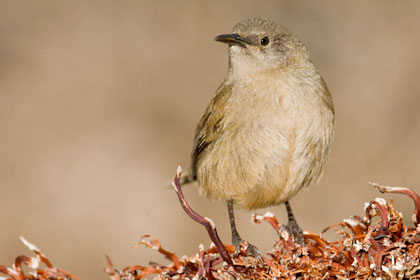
{"x":206,"y":222}
{"x":415,"y":197}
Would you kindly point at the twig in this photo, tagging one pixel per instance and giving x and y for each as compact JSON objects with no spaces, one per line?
{"x":206,"y":222}
{"x":406,"y":191}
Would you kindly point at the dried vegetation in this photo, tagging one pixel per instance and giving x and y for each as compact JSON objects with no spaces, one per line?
{"x":368,"y":248}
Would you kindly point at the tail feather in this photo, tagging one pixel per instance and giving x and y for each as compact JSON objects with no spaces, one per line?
{"x":185,"y":179}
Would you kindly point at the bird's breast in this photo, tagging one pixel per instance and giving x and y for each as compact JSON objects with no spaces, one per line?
{"x":262,"y":156}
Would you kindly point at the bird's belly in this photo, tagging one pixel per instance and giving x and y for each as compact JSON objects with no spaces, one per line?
{"x":262,"y":166}
{"x":250,"y":167}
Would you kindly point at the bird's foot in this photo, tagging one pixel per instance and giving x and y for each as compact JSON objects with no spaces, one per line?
{"x":250,"y":249}
{"x":292,"y":226}
{"x":293,"y":229}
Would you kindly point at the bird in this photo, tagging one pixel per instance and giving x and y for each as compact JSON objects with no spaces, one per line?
{"x":268,"y":130}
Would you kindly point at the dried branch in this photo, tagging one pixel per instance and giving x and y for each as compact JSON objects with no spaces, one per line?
{"x":367,"y":248}
{"x":49,"y":273}
{"x":406,"y":191}
{"x":206,"y":222}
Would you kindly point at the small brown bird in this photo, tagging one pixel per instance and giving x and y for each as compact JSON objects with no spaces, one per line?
{"x":268,"y":130}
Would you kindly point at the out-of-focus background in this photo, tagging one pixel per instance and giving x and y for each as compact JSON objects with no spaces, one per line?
{"x":99,"y":102}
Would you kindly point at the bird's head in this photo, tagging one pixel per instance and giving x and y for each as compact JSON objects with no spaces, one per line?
{"x":259,"y":44}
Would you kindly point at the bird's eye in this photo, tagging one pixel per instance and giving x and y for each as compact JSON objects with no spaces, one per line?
{"x":265,"y":41}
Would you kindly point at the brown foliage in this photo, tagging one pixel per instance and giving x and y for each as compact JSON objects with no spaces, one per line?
{"x":368,"y":248}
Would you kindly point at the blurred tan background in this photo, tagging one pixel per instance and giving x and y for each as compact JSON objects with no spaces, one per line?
{"x":99,"y":102}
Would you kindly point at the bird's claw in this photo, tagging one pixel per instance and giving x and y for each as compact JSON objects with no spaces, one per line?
{"x":250,"y":249}
{"x":293,"y":229}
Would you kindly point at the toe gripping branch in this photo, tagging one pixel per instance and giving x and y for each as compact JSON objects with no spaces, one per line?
{"x":206,"y":222}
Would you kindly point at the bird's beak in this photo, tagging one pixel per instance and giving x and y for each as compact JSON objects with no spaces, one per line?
{"x":232,"y":39}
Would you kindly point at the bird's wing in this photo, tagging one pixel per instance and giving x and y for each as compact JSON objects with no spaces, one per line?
{"x":210,"y":126}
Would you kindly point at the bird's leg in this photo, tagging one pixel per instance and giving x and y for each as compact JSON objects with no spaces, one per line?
{"x":236,"y":238}
{"x":293,"y":227}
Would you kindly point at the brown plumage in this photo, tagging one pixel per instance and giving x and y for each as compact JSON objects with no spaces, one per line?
{"x":267,"y":132}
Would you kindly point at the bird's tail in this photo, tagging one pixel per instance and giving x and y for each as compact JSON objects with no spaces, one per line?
{"x":185,"y":179}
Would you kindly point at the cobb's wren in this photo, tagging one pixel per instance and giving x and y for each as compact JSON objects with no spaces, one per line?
{"x":268,"y":130}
